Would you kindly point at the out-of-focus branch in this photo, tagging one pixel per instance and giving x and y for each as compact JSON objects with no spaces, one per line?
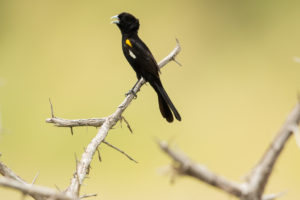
{"x":273,"y":196}
{"x":261,"y":173}
{"x":34,"y":191}
{"x":190,"y":168}
{"x":8,"y":173}
{"x":253,"y":188}
{"x":86,"y":158}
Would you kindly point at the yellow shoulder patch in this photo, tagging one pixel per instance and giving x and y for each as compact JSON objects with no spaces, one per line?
{"x":127,"y":41}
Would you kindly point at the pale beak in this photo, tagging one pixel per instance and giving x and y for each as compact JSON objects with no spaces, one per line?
{"x":115,"y":19}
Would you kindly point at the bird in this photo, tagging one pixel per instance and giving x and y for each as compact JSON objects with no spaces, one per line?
{"x":143,"y":63}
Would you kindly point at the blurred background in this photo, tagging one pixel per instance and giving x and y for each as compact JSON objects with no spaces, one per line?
{"x":238,"y":82}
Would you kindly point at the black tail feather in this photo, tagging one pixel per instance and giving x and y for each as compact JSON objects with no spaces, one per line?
{"x":165,"y":103}
{"x":164,"y":109}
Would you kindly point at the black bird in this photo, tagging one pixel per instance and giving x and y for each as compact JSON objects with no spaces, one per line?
{"x":142,"y":61}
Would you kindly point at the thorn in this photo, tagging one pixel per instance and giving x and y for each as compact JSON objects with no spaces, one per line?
{"x":51,"y":106}
{"x":126,"y":122}
{"x":72,"y":133}
{"x":88,"y":169}
{"x":274,"y":196}
{"x":34,"y":179}
{"x":122,"y":152}
{"x":176,"y":61}
{"x":99,"y":157}
{"x":174,"y":174}
{"x":178,"y":46}
{"x":57,"y":187}
{"x":177,"y":41}
{"x":87,"y":195}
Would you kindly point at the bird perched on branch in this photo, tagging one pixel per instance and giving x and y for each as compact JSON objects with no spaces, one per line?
{"x":142,"y":61}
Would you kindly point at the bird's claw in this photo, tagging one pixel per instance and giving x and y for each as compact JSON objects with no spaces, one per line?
{"x":131,"y":92}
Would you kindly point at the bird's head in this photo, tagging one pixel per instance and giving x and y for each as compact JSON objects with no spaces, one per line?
{"x":126,"y":22}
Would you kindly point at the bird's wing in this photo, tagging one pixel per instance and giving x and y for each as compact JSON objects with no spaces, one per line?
{"x":143,"y":56}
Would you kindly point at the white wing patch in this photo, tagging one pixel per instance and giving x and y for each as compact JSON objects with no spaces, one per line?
{"x":132,"y":54}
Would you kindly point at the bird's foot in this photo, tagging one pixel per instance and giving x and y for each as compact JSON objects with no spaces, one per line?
{"x":131,"y":92}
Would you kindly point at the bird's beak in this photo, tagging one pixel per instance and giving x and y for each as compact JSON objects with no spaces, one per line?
{"x":115,"y":19}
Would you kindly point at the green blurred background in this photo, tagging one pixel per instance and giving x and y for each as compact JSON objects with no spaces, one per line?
{"x":238,"y":82}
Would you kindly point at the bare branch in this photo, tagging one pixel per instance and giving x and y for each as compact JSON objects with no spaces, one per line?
{"x":109,"y":122}
{"x":95,"y":122}
{"x":263,"y":169}
{"x":188,"y":167}
{"x":122,"y":152}
{"x":34,"y":190}
{"x":171,"y":56}
{"x":87,"y":156}
{"x":98,"y":122}
{"x":254,"y":187}
{"x":6,"y":172}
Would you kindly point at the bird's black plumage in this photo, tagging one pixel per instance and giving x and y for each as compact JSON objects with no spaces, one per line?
{"x":142,"y":61}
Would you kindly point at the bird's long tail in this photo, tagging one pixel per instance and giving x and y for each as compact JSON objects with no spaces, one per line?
{"x":165,"y":103}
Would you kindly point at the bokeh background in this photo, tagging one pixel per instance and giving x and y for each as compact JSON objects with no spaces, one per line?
{"x":238,"y":82}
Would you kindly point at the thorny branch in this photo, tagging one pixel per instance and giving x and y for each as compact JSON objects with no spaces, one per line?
{"x":190,"y":168}
{"x":34,"y":191}
{"x":106,"y":124}
{"x":59,"y":122}
{"x":13,"y":181}
{"x":98,"y":122}
{"x":253,"y":188}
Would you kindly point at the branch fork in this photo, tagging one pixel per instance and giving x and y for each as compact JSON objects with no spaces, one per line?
{"x":11,"y":180}
{"x":105,"y":125}
{"x":253,"y":188}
